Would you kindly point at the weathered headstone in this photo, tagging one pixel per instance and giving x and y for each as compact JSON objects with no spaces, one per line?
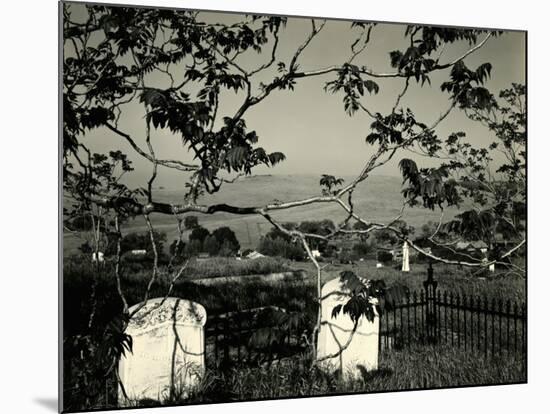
{"x":336,"y":333}
{"x":168,"y":350}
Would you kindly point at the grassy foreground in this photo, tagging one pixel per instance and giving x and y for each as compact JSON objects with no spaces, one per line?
{"x":411,"y":369}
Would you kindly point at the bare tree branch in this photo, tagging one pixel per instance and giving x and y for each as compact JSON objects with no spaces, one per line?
{"x":176,"y":164}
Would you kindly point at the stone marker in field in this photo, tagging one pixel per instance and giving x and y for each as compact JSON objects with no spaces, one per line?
{"x":168,"y":350}
{"x":405,"y":267}
{"x":335,"y":332}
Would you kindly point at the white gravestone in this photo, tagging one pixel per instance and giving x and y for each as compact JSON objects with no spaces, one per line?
{"x":336,"y":332}
{"x":168,"y":350}
{"x":405,"y":267}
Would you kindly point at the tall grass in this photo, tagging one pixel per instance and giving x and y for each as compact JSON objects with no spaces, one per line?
{"x":415,"y":368}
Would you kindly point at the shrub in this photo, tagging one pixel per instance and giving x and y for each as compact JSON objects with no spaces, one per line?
{"x":281,"y":248}
{"x":176,"y":249}
{"x":227,"y":249}
{"x":384,"y":256}
{"x":224,"y":235}
{"x":193,"y":248}
{"x":211,"y":245}
{"x":361,"y":250}
{"x":345,"y":256}
{"x":199,"y":234}
{"x":190,"y":222}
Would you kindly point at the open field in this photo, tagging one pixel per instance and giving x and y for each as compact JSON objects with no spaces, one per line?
{"x":378,"y":199}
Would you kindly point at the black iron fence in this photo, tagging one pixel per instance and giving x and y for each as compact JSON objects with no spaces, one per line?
{"x":253,"y":336}
{"x":473,"y":323}
{"x":429,"y":316}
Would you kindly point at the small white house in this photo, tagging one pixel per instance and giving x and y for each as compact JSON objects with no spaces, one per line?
{"x":316,"y":253}
{"x":139,"y":252}
{"x":254,"y":255}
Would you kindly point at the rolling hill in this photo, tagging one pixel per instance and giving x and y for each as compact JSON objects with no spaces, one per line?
{"x":377,"y":199}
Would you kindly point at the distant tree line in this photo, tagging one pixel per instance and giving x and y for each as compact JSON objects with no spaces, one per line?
{"x":221,"y":242}
{"x":346,"y":249}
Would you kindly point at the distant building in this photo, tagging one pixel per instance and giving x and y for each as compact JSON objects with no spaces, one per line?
{"x":203,"y":257}
{"x":471,"y":247}
{"x":463,"y":245}
{"x":316,"y":253}
{"x":480,"y":245}
{"x":138,"y":252}
{"x":254,"y":255}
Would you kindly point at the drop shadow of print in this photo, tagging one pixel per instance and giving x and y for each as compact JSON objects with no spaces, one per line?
{"x":49,"y":403}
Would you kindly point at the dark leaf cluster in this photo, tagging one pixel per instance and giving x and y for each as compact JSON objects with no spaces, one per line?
{"x":367,"y":298}
{"x":432,"y":185}
{"x":351,"y":83}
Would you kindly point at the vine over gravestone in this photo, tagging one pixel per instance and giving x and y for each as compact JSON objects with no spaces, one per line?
{"x":338,"y":346}
{"x":168,"y":355}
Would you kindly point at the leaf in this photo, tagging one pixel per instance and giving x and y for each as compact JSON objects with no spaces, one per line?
{"x":152,"y":97}
{"x":276,"y":157}
{"x":336,"y":310}
{"x":408,"y":168}
{"x":110,"y":24}
{"x":351,"y":282}
{"x":409,"y":56}
{"x":395,"y":57}
{"x":95,"y":117}
{"x":236,"y":157}
{"x":483,"y":72}
{"x":371,"y":86}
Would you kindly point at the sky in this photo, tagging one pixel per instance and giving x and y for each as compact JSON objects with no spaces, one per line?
{"x":310,"y":125}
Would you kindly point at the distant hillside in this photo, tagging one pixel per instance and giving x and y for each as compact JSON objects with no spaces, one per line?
{"x":378,"y":199}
